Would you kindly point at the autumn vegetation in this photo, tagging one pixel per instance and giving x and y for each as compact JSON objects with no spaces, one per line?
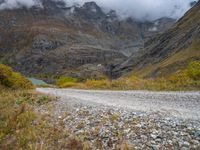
{"x":21,"y":126}
{"x":186,"y":79}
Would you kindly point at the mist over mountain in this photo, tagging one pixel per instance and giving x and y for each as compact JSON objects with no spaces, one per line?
{"x":56,"y":37}
{"x":138,"y":9}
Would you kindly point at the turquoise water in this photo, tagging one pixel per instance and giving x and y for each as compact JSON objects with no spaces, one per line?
{"x":37,"y":81}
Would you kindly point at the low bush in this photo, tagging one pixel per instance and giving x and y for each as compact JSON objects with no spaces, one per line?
{"x":66,"y":82}
{"x":14,"y":80}
{"x":193,"y":70}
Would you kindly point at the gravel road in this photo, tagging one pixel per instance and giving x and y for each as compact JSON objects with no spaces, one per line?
{"x":185,"y":105}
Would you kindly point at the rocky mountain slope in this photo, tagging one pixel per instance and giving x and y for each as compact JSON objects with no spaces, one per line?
{"x":58,"y":39}
{"x":167,"y":52}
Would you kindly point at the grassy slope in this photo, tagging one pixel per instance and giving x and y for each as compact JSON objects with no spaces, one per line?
{"x":21,"y":126}
{"x":17,"y":102}
{"x":177,"y":58}
{"x":178,"y":61}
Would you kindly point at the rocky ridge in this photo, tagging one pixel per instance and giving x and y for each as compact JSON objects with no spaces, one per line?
{"x":57,"y":38}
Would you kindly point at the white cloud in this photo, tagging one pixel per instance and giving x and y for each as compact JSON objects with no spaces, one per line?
{"x":142,"y":9}
{"x":10,"y":4}
{"x":139,"y":9}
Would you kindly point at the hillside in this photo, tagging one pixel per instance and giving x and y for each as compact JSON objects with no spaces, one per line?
{"x":169,"y":52}
{"x":58,"y":39}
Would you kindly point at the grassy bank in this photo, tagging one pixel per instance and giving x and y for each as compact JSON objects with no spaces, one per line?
{"x":187,"y":79}
{"x":22,"y":125}
{"x":24,"y":128}
{"x":26,"y":121}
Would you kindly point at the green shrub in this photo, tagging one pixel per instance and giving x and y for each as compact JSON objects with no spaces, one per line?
{"x":193,"y":70}
{"x":65,"y":82}
{"x":14,"y":80}
{"x":188,"y":79}
{"x":5,"y":75}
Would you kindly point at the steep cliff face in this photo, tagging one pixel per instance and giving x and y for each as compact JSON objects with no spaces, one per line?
{"x":167,"y":52}
{"x":57,"y":38}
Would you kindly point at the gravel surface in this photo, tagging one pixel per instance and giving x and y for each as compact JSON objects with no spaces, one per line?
{"x":179,"y":104}
{"x":139,"y":119}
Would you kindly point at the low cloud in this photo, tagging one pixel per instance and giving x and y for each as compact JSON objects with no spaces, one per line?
{"x":143,"y":9}
{"x":139,"y":9}
{"x":11,"y":4}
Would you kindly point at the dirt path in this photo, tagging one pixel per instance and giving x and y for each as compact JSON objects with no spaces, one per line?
{"x":185,"y":105}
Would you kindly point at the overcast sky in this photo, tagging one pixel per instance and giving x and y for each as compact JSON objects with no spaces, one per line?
{"x":139,"y":9}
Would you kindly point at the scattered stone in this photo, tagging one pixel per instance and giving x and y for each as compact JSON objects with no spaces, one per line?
{"x":153,"y":136}
{"x":148,"y":131}
{"x":197,"y":133}
{"x":155,"y":147}
{"x":185,"y":144}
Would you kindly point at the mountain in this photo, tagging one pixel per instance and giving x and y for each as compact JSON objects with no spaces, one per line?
{"x":168,"y":52}
{"x":80,"y":41}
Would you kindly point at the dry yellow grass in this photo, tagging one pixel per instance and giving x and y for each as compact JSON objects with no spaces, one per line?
{"x":21,"y":127}
{"x":187,"y":79}
{"x":178,"y":59}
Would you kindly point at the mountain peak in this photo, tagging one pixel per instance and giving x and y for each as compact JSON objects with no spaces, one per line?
{"x":90,"y":10}
{"x":90,"y":5}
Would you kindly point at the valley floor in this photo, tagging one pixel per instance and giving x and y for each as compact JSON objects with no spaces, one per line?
{"x":142,"y":119}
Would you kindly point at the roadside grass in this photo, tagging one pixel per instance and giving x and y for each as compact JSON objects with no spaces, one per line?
{"x":186,"y":79}
{"x":22,"y":125}
{"x":26,"y":122}
{"x":24,"y":128}
{"x":17,"y":116}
